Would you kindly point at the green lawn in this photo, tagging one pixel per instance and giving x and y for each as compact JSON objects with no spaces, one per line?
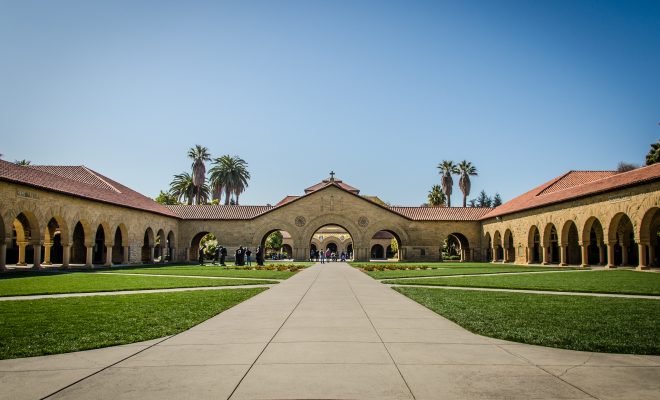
{"x":196,"y":270}
{"x":625,"y":282}
{"x":80,"y":282}
{"x":51,"y":326}
{"x":613,"y":325}
{"x":456,"y":270}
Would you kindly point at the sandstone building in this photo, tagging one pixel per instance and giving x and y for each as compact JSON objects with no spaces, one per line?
{"x":71,"y":215}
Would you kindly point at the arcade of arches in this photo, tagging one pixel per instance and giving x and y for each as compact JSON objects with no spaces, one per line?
{"x":43,"y":226}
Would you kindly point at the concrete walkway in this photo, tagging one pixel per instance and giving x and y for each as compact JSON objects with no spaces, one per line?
{"x":330,"y":332}
{"x":190,"y":276}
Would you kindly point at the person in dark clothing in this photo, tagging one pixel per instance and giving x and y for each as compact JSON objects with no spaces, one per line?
{"x":223,"y":255}
{"x":201,"y":255}
{"x":248,"y":255}
{"x":239,"y":256}
{"x":216,"y":255}
{"x":260,"y":256}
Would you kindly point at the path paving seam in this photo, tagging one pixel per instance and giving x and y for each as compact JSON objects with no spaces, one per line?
{"x":379,"y":336}
{"x":127,"y":292}
{"x":485,"y":274}
{"x":104,"y":368}
{"x":190,"y":276}
{"x":555,"y":375}
{"x":273,"y":336}
{"x":529,"y":291}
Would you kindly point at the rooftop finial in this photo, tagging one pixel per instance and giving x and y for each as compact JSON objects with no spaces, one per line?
{"x":332,"y":176}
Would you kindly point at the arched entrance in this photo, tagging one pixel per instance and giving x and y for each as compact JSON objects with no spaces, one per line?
{"x":53,"y":250}
{"x":99,"y":252}
{"x":389,"y":243}
{"x":534,"y":250}
{"x":25,"y":248}
{"x":623,"y":249}
{"x":509,"y":247}
{"x":332,"y":237}
{"x":377,"y":252}
{"x":119,"y":256}
{"x":148,"y":244}
{"x":498,"y":252}
{"x":592,"y":236}
{"x":458,"y":247}
{"x":551,"y":245}
{"x":171,"y":247}
{"x":277,"y":244}
{"x":571,"y":253}
{"x":195,"y":243}
{"x":649,"y":239}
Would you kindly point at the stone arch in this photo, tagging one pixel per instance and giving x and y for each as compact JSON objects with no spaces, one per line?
{"x":649,"y":238}
{"x":550,"y":240}
{"x":171,"y":246}
{"x":193,"y":250}
{"x":461,"y":245}
{"x":262,"y":242}
{"x":148,"y":244}
{"x":56,"y":237}
{"x":103,"y":239}
{"x":593,"y":236}
{"x":377,"y":252}
{"x":343,"y":222}
{"x":534,"y":248}
{"x":622,"y":247}
{"x":286,"y":248}
{"x":26,"y":240}
{"x":81,"y":240}
{"x":498,"y":251}
{"x":569,"y":240}
{"x":509,"y":246}
{"x":278,"y":225}
{"x":488,"y":245}
{"x":160,"y":245}
{"x":120,"y":241}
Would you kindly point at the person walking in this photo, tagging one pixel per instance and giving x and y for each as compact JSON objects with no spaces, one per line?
{"x":328,"y":254}
{"x":322,"y":257}
{"x":260,"y":256}
{"x":248,"y":255}
{"x":201,"y":255}
{"x":223,"y":255}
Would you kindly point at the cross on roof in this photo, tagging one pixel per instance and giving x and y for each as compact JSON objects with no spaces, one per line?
{"x":332,"y":175}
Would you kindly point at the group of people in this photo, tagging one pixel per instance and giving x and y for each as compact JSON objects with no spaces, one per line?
{"x":327,"y":256}
{"x":243,"y":256}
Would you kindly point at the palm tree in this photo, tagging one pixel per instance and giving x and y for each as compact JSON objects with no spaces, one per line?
{"x":184,"y":190}
{"x":23,"y":162}
{"x":436,"y":197}
{"x":447,"y":168}
{"x":466,"y":169}
{"x":229,"y":174}
{"x":199,"y":155}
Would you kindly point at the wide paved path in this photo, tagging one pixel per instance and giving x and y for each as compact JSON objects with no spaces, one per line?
{"x":331,"y":332}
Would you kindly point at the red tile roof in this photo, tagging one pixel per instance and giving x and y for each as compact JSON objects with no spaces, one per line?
{"x":337,"y":182}
{"x":208,"y":211}
{"x":576,"y":184}
{"x":285,"y":200}
{"x":79,"y":181}
{"x":442,"y":213}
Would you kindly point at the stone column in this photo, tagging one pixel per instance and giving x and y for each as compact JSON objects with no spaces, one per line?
{"x":108,"y":255}
{"x":584,"y":247}
{"x":173,"y":256}
{"x":125,"y":255}
{"x":544,"y":253}
{"x":601,"y":254}
{"x":3,"y":255}
{"x":21,"y":253}
{"x":37,"y":255}
{"x":643,"y":261}
{"x":163,"y":251}
{"x":47,"y":247}
{"x":494,"y":253}
{"x":187,"y":255}
{"x":562,"y":255}
{"x":66,"y":255}
{"x":610,"y":255}
{"x":89,"y":257}
{"x":624,"y":254}
{"x":151,"y":254}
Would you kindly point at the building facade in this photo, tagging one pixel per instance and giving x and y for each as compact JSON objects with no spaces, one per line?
{"x":64,"y":216}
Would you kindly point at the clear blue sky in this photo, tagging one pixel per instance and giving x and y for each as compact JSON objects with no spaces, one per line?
{"x":378,"y":91}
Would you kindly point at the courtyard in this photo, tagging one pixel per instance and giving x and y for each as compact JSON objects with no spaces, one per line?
{"x":332,"y":331}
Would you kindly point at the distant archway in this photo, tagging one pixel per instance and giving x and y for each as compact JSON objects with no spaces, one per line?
{"x":551,"y":244}
{"x":535,"y":255}
{"x":621,"y":234}
{"x":377,"y":252}
{"x":148,"y":244}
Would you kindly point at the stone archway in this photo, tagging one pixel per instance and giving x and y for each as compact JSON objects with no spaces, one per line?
{"x":570,"y":251}
{"x":550,"y":245}
{"x":534,"y":248}
{"x":593,"y":237}
{"x":377,"y":252}
{"x":509,"y":247}
{"x":148,"y":244}
{"x":361,"y":251}
{"x":621,"y":247}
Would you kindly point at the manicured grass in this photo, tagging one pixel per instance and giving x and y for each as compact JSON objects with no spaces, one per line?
{"x":457,"y":270}
{"x":612,"y":325}
{"x":197,"y":270}
{"x":624,"y":282}
{"x":81,"y":282}
{"x":51,"y":326}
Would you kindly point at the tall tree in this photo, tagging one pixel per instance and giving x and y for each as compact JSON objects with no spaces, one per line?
{"x":184,"y":190}
{"x":166,"y":198}
{"x":436,"y":197}
{"x":199,"y":155}
{"x":497,"y":200}
{"x":653,"y":155}
{"x":466,"y":169}
{"x":626,"y":166}
{"x":229,"y":174}
{"x":23,"y":162}
{"x":483,"y":200}
{"x":447,"y":168}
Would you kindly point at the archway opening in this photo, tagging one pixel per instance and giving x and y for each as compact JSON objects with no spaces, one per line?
{"x":171,"y":246}
{"x":488,"y":256}
{"x":198,"y":241}
{"x":53,"y":251}
{"x":78,"y":246}
{"x":551,"y":244}
{"x":650,"y":236}
{"x":278,"y":245}
{"x":118,"y":248}
{"x":332,"y":240}
{"x":509,"y":247}
{"x":498,"y":250}
{"x":385,"y":245}
{"x":148,"y":246}
{"x":593,"y":235}
{"x":534,"y":245}
{"x":625,"y":247}
{"x":99,"y":252}
{"x":160,"y":247}
{"x":571,"y":241}
{"x":21,"y":251}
